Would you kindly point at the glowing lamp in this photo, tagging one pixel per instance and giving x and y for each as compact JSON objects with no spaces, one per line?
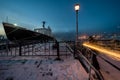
{"x":77,"y":7}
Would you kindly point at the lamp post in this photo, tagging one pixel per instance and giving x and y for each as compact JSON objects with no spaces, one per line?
{"x":77,"y":7}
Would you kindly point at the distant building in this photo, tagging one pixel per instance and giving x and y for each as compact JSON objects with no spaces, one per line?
{"x":44,"y":30}
{"x":83,"y":37}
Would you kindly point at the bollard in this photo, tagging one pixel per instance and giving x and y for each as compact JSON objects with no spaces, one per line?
{"x":58,"y":54}
{"x":20,"y":49}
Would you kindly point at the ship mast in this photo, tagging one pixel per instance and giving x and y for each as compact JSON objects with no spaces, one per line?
{"x":7,"y":19}
{"x":43,"y":24}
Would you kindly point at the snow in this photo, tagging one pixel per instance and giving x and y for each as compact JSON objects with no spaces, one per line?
{"x":41,"y":67}
{"x":38,"y":68}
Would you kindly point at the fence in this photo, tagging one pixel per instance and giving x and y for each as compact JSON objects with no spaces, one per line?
{"x":34,"y":49}
{"x":85,"y":57}
{"x":51,"y":49}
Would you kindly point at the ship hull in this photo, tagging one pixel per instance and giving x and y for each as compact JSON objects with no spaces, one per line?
{"x":19,"y":34}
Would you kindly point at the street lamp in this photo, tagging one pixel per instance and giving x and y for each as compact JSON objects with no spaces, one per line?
{"x":77,"y":7}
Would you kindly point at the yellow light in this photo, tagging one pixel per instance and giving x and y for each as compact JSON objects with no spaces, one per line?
{"x":103,"y":50}
{"x":77,"y":7}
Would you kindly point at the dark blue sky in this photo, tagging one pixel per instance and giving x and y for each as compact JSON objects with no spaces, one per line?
{"x":94,"y":15}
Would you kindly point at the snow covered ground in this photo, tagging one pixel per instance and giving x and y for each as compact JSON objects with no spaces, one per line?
{"x":37,"y":68}
{"x":41,"y":67}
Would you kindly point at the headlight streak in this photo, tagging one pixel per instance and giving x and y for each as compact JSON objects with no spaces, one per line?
{"x":113,"y":54}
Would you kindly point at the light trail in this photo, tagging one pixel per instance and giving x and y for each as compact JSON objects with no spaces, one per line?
{"x":103,"y":50}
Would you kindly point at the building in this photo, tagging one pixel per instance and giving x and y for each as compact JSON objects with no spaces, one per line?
{"x":44,"y":30}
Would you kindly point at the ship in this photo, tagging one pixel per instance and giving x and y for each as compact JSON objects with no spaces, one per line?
{"x":16,"y":33}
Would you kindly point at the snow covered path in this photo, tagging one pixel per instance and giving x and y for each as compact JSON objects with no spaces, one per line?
{"x":37,"y":68}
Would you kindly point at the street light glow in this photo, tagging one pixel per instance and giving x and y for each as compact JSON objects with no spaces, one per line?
{"x":77,"y":7}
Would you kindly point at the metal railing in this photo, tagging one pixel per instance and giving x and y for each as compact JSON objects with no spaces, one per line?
{"x":87,"y":62}
{"x":34,"y":49}
{"x":50,"y":49}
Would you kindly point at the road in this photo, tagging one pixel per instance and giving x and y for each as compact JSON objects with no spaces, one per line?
{"x":114,"y":54}
{"x":108,"y":59}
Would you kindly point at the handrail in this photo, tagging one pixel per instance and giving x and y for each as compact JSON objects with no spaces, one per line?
{"x":80,"y":55}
